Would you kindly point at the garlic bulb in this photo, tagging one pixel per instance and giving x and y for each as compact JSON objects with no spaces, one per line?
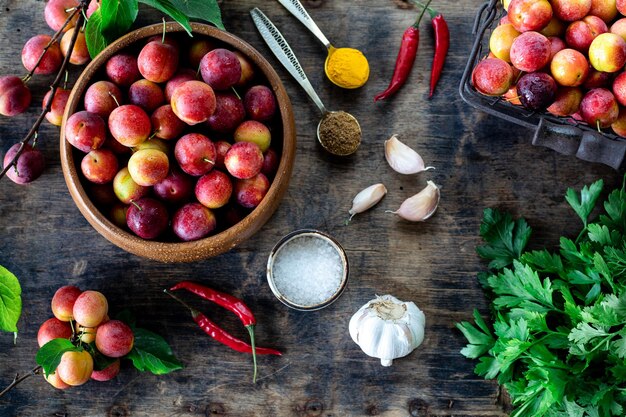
{"x":402,"y":158}
{"x":387,"y":328}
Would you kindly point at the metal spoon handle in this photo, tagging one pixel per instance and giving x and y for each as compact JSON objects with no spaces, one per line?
{"x":279,"y":46}
{"x":297,"y":9}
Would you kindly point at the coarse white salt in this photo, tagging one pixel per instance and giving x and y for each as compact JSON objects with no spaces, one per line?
{"x":307,"y":270}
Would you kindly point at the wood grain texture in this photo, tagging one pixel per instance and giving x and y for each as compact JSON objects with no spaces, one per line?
{"x":481,"y":162}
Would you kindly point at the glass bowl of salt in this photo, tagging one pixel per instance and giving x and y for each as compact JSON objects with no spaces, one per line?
{"x":307,"y":270}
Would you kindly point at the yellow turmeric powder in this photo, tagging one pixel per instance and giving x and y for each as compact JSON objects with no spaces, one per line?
{"x":347,"y":68}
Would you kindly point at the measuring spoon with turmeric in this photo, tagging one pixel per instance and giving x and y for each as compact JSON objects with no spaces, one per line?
{"x":338,"y":132}
{"x":344,"y":67}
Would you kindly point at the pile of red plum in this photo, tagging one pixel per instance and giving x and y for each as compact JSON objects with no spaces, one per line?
{"x":565,"y":57}
{"x":176,"y":142}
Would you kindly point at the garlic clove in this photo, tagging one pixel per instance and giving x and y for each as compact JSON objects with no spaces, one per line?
{"x":367,"y":199}
{"x":421,"y":206}
{"x":402,"y":158}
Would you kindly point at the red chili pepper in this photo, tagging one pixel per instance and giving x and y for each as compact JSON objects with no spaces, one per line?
{"x":209,"y":327}
{"x":405,"y":59}
{"x":442,"y":43}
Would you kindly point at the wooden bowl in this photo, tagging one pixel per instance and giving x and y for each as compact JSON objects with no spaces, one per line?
{"x":223,"y":241}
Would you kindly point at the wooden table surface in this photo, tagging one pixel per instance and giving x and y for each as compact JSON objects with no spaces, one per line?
{"x":480,"y":161}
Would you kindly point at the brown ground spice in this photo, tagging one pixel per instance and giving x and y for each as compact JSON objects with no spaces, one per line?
{"x":340,"y":133}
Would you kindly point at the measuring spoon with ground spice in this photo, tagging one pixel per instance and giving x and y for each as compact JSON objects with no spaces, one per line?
{"x":338,"y":132}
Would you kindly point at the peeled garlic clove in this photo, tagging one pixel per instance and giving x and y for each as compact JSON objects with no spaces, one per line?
{"x":421,"y":206}
{"x":367,"y":199}
{"x":402,"y":158}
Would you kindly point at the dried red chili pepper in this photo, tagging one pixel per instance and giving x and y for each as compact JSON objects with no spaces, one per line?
{"x":442,"y":43}
{"x":209,"y":327}
{"x":405,"y":59}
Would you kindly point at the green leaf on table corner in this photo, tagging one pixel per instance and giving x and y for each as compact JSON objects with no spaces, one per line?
{"x":584,"y":203}
{"x":49,"y":355}
{"x":172,"y":10}
{"x":505,"y":238}
{"x":207,"y":10}
{"x":96,"y":42}
{"x":152,"y":353}
{"x":117,"y":17}
{"x":10,"y":301}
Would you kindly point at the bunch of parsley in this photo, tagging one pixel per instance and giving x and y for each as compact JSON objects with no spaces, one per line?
{"x":558,"y":338}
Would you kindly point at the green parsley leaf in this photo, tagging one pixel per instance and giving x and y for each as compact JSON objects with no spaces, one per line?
{"x":584,"y":204}
{"x":10,"y":301}
{"x":615,"y":208}
{"x":543,"y":261}
{"x":522,"y":287}
{"x":152,"y":353}
{"x":506,"y":239}
{"x":49,"y":355}
{"x":480,"y":339}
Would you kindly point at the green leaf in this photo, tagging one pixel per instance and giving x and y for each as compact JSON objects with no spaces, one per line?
{"x":615,"y":208}
{"x":100,"y":361}
{"x":152,"y":353}
{"x":487,"y":367}
{"x":480,"y":339}
{"x":506,"y":239}
{"x":522,"y":287}
{"x":49,"y":355}
{"x":543,"y":261}
{"x":602,"y":235}
{"x":169,"y":8}
{"x":96,"y":42}
{"x":10,"y":301}
{"x":584,"y":204}
{"x":207,"y":10}
{"x":618,"y":346}
{"x":117,"y":17}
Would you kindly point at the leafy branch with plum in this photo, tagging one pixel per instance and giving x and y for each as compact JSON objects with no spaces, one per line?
{"x":84,"y":27}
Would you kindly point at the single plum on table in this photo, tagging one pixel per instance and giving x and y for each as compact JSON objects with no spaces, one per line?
{"x":147,"y":218}
{"x":102,"y":97}
{"x":85,"y":131}
{"x":165,"y":124}
{"x":220,"y":68}
{"x":114,"y":339}
{"x":99,"y":166}
{"x":146,"y":94}
{"x":260,"y":103}
{"x":79,"y":54}
{"x":193,"y":102}
{"x":158,"y":61}
{"x":29,"y":165}
{"x":57,"y":12}
{"x":536,"y":90}
{"x":250,"y":192}
{"x":122,"y":69}
{"x":75,"y":368}
{"x":177,"y":187}
{"x":57,"y":107}
{"x":244,"y":160}
{"x":492,"y":77}
{"x":229,"y":113}
{"x":53,"y":329}
{"x":14,"y":95}
{"x":90,"y":308}
{"x":193,"y":221}
{"x":130,"y":125}
{"x":63,"y":300}
{"x":195,"y":153}
{"x":213,"y":190}
{"x":107,"y":373}
{"x":34,"y":47}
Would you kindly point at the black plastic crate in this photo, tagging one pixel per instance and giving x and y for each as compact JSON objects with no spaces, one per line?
{"x":562,"y":134}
